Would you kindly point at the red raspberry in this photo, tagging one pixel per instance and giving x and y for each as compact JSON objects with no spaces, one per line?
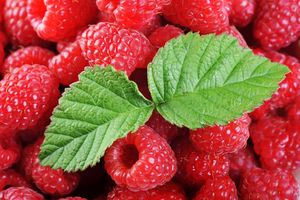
{"x":68,"y":64}
{"x":199,"y":15}
{"x":294,"y":111}
{"x":277,"y":141}
{"x":17,"y":25}
{"x":104,"y":44}
{"x":241,"y":12}
{"x":231,"y":30}
{"x":277,"y":23}
{"x":106,"y":17}
{"x":56,"y":20}
{"x":196,"y":167}
{"x":222,"y":139}
{"x":10,"y":178}
{"x":29,"y":55}
{"x":39,"y":84}
{"x":163,"y":34}
{"x":72,"y":198}
{"x":150,"y":26}
{"x":140,"y":161}
{"x":262,"y":184}
{"x":222,"y":188}
{"x":289,"y":87}
{"x":167,"y":191}
{"x":2,"y":4}
{"x":20,"y":193}
{"x":10,"y":150}
{"x":162,"y":127}
{"x":132,"y":13}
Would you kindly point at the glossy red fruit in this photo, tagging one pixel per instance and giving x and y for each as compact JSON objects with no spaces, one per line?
{"x":231,"y":30}
{"x":109,"y":44}
{"x":276,"y":141}
{"x":167,"y":191}
{"x":194,"y":167}
{"x":56,"y":20}
{"x":68,"y":64}
{"x":260,"y":184}
{"x":140,"y":161}
{"x":10,"y":150}
{"x":28,"y":55}
{"x":277,"y":23}
{"x":222,"y":139}
{"x":241,"y":12}
{"x":222,"y":188}
{"x":199,"y":15}
{"x":17,"y":24}
{"x":163,"y":34}
{"x":20,"y":193}
{"x":39,"y":84}
{"x":11,"y":178}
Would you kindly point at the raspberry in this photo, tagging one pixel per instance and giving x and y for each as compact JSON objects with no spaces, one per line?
{"x":162,"y":127}
{"x":222,"y":139}
{"x":147,"y":28}
{"x":241,"y":12}
{"x":39,"y":84}
{"x":140,"y":161}
{"x":132,"y":13}
{"x":294,"y":111}
{"x":163,"y":34}
{"x":50,"y":181}
{"x":68,"y":64}
{"x":262,"y":184}
{"x":29,"y":55}
{"x":56,"y":20}
{"x":196,"y":167}
{"x":17,"y":25}
{"x":231,"y":30}
{"x":277,"y":23}
{"x":72,"y":198}
{"x":104,"y":44}
{"x":167,"y":191}
{"x":277,"y":141}
{"x":10,"y":178}
{"x":10,"y":150}
{"x":199,"y":15}
{"x":20,"y":193}
{"x":288,"y":88}
{"x":218,"y":189}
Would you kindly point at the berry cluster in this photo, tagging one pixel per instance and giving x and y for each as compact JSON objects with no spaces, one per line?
{"x":46,"y":44}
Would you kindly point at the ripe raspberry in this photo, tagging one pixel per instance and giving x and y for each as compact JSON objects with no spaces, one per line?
{"x":2,"y":4}
{"x":167,"y":191}
{"x":231,"y":30}
{"x":104,"y":44}
{"x":277,"y":23}
{"x":288,"y":88}
{"x":294,"y":111}
{"x":147,"y":28}
{"x":10,"y":178}
{"x":20,"y":193}
{"x":68,"y":64}
{"x":132,"y":13}
{"x":196,"y":167}
{"x":140,"y":161}
{"x":199,"y":15}
{"x":163,"y":34}
{"x":222,"y":139}
{"x":10,"y":150}
{"x":29,"y":55}
{"x":56,"y":20}
{"x":241,"y":12}
{"x":222,"y":188}
{"x":17,"y":25}
{"x":39,"y":84}
{"x":162,"y":127}
{"x":277,"y":141}
{"x":72,"y":198}
{"x":262,"y":184}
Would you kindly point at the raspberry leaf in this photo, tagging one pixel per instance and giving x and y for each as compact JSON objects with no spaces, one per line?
{"x":102,"y":107}
{"x":197,"y":81}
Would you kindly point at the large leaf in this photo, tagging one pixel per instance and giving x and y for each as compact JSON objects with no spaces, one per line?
{"x":205,"y":80}
{"x":102,"y":107}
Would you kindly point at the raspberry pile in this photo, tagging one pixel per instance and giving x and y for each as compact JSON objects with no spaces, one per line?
{"x":46,"y":44}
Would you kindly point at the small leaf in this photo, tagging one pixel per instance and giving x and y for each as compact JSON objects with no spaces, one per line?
{"x":102,"y":107}
{"x":206,"y":80}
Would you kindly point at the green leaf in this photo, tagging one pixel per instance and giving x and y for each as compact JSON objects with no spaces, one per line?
{"x":205,"y":80}
{"x":102,"y":107}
